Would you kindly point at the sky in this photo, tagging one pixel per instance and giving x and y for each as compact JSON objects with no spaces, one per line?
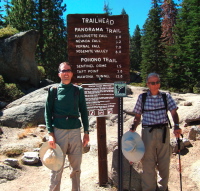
{"x":136,"y":9}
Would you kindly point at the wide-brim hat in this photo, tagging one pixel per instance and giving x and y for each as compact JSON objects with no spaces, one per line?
{"x":132,"y":146}
{"x":51,"y":158}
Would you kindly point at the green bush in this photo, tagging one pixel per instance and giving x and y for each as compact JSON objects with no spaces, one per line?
{"x":171,"y":89}
{"x":13,"y":152}
{"x":2,"y":84}
{"x":2,"y":88}
{"x":9,"y":92}
{"x":7,"y":32}
{"x":13,"y":92}
{"x":138,"y":84}
{"x":42,"y":72}
{"x":196,"y":90}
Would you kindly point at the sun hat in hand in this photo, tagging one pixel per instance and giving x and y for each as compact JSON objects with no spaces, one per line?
{"x":51,"y":158}
{"x":132,"y":146}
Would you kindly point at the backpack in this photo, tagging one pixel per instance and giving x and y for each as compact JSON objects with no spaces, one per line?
{"x":164,"y":96}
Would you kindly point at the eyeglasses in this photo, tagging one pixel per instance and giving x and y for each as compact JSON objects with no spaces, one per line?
{"x":63,"y":71}
{"x":154,"y":83}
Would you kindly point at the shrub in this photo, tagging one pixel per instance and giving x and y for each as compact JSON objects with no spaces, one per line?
{"x":2,"y":88}
{"x":28,"y":130}
{"x":13,"y":92}
{"x":8,"y":91}
{"x":13,"y":152}
{"x":41,"y":71}
{"x":138,"y":84}
{"x":196,"y":90}
{"x":171,"y":89}
{"x":8,"y":31}
{"x":2,"y":84}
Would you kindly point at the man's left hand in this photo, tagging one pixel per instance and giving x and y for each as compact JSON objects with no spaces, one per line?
{"x":86,"y":139}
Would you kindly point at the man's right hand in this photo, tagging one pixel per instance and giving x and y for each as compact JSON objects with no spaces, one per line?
{"x":136,"y":122}
{"x":52,"y":141}
{"x":177,"y":132}
{"x":132,"y":129}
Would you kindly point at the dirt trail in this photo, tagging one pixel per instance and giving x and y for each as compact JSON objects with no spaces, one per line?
{"x":36,"y":178}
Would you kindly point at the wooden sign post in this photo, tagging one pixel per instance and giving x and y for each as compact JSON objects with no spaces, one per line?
{"x":101,"y":102}
{"x":102,"y":151}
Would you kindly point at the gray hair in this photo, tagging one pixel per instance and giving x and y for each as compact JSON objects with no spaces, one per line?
{"x":152,"y":74}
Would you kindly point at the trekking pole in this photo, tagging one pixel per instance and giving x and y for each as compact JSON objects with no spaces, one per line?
{"x":131,"y":163}
{"x":179,"y":154}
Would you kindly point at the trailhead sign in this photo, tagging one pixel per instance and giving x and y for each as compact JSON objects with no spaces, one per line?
{"x":100,"y":99}
{"x":98,"y":47}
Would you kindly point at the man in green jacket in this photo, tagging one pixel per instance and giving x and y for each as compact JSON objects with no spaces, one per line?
{"x":63,"y":124}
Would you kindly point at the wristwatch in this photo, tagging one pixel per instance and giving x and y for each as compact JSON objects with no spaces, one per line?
{"x":86,"y":132}
{"x":176,"y":126}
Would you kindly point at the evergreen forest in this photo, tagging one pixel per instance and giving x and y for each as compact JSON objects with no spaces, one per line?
{"x":168,"y":43}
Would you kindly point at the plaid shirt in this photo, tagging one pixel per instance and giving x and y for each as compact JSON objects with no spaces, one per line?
{"x":152,"y":103}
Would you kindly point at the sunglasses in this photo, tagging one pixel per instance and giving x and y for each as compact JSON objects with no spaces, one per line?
{"x":63,"y":71}
{"x":154,"y":83}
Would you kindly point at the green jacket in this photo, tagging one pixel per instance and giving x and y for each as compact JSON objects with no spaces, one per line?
{"x":66,"y":104}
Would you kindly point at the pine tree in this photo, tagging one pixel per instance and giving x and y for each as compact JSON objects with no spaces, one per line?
{"x":135,"y":49}
{"x":168,"y":13}
{"x":123,"y":12}
{"x":52,"y":48}
{"x":3,"y":9}
{"x":152,"y":50}
{"x":107,"y":9}
{"x":21,"y":14}
{"x":1,"y":16}
{"x":7,"y":6}
{"x":184,"y":56}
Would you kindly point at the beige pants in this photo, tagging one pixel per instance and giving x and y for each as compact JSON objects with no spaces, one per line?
{"x":157,"y":156}
{"x":71,"y":144}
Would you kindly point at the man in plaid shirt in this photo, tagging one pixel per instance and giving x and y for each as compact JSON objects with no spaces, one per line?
{"x":155,"y":134}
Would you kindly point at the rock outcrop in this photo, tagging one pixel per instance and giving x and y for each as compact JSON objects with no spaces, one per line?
{"x":30,"y":109}
{"x":17,"y":58}
{"x":8,"y":173}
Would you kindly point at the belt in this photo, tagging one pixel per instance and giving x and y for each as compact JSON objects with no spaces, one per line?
{"x":158,"y":126}
{"x":65,"y":116}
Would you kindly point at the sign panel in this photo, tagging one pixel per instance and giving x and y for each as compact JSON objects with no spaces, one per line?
{"x":100,"y":99}
{"x":120,"y":89}
{"x":98,"y":47}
